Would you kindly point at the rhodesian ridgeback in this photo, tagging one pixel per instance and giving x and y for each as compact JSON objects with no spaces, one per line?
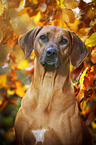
{"x":49,"y":113}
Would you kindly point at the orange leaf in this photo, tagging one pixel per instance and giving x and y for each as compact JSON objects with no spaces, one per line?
{"x":91,"y":79}
{"x":19,"y":89}
{"x":22,"y":11}
{"x":13,"y":101}
{"x":93,"y":55}
{"x":12,"y":56}
{"x":3,"y":105}
{"x":30,"y":69}
{"x":88,"y":82}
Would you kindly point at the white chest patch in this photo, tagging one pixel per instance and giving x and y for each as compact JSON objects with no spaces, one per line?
{"x":39,"y":134}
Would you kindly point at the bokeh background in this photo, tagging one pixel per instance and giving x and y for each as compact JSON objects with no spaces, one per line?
{"x":19,"y":16}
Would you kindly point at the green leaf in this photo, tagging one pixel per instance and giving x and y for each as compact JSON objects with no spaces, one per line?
{"x":91,"y":41}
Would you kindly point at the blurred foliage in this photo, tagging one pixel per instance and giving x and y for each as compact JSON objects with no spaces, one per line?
{"x":19,"y":16}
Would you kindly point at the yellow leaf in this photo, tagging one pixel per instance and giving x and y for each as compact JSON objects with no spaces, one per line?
{"x":71,"y":4}
{"x":0,"y":102}
{"x":94,"y":124}
{"x":32,"y":55}
{"x":84,"y":106}
{"x":37,"y":18}
{"x":94,"y":23}
{"x":19,"y":89}
{"x":22,"y":2}
{"x":35,"y":2}
{"x":71,"y":67}
{"x":82,"y":78}
{"x":23,"y":64}
{"x":26,"y":87}
{"x":74,"y":26}
{"x":91,"y":41}
{"x":3,"y":80}
{"x":68,"y":15}
{"x":1,"y":8}
{"x":60,"y":3}
{"x":10,"y":92}
{"x":91,"y":13}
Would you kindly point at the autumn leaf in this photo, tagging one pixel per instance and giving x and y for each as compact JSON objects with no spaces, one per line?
{"x":12,"y":56}
{"x":3,"y":105}
{"x":94,"y":124}
{"x":71,"y":4}
{"x":3,"y":80}
{"x":88,"y":82}
{"x":23,"y":64}
{"x":91,"y":41}
{"x":82,"y":78}
{"x":19,"y":88}
{"x":13,"y":4}
{"x":37,"y":18}
{"x":10,"y":92}
{"x":30,"y":69}
{"x":93,"y":55}
{"x":1,"y":8}
{"x":84,"y":108}
{"x":68,"y":15}
{"x":80,"y":96}
{"x":60,"y":3}
{"x":91,"y":13}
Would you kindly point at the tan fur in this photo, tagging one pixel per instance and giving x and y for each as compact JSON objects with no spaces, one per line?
{"x":50,"y":101}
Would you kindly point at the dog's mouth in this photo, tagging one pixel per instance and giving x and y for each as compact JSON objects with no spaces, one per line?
{"x":53,"y":62}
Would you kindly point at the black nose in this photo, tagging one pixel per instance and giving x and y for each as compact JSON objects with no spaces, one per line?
{"x":51,"y":51}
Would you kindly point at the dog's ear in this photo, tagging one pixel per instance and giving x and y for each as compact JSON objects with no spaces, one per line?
{"x":26,"y":41}
{"x":79,"y":50}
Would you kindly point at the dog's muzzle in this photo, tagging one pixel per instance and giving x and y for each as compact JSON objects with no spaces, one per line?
{"x":50,"y":57}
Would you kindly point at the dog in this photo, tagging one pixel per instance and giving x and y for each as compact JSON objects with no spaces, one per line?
{"x":49,"y":113}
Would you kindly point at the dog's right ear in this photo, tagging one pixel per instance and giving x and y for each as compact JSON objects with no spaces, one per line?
{"x":26,"y":41}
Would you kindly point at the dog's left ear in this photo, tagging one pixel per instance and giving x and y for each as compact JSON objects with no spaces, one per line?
{"x":79,"y":50}
{"x":26,"y":41}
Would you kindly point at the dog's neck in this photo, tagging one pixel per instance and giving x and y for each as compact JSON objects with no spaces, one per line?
{"x":58,"y":79}
{"x":53,"y":86}
{"x":50,"y":89}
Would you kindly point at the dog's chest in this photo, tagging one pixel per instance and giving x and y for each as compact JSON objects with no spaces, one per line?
{"x":65,"y":127}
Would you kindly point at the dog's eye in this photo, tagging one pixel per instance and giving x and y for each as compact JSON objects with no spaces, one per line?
{"x":63,"y":41}
{"x":44,"y":38}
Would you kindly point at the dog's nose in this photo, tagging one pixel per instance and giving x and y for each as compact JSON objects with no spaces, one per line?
{"x":51,"y":52}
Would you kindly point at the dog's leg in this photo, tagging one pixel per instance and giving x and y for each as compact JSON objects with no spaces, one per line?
{"x":20,"y":126}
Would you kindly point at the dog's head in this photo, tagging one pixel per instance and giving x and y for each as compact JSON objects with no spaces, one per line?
{"x":53,"y":46}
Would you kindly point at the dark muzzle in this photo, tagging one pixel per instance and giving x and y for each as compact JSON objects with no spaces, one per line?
{"x":50,"y":57}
